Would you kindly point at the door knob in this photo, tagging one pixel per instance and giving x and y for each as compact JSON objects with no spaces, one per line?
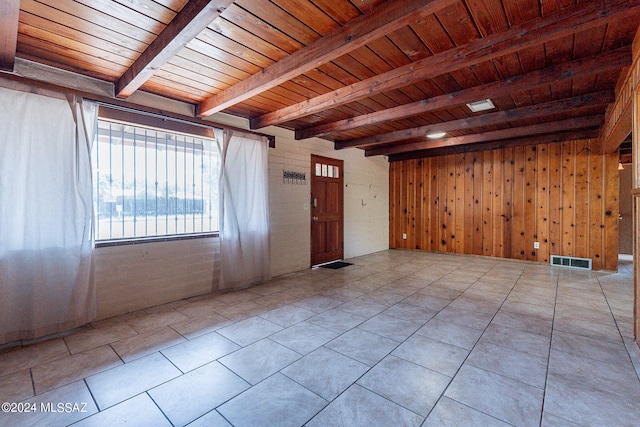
{"x":315,"y":218}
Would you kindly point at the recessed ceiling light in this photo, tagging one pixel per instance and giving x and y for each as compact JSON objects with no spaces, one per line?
{"x":436,"y":135}
{"x":483,"y":105}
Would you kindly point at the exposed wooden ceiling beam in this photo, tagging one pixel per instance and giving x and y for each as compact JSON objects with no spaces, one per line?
{"x":9,"y":15}
{"x":379,"y":22}
{"x":574,"y":104}
{"x":186,"y":25}
{"x":579,"y":123}
{"x":612,"y":60}
{"x":469,"y":148}
{"x":560,"y":24}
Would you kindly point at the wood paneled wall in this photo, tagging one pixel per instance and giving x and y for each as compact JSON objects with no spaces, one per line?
{"x":499,"y":202}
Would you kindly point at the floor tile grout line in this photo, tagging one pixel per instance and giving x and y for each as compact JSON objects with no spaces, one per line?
{"x":373,"y":366}
{"x":617,"y":326}
{"x":471,"y":350}
{"x":546,"y":378}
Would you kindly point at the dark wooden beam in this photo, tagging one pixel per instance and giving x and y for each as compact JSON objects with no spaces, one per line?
{"x":380,"y":21}
{"x":565,"y":22}
{"x":9,"y":13}
{"x":575,"y":104}
{"x":613,"y":60}
{"x":187,"y":24}
{"x":579,"y":123}
{"x":532,"y":140}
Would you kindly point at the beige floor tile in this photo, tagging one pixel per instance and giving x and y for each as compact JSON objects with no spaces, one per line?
{"x":135,"y":347}
{"x":503,"y":398}
{"x":303,"y":337}
{"x":276,"y":401}
{"x":72,"y":368}
{"x":201,"y":325}
{"x":523,"y":323}
{"x":16,"y":387}
{"x":242,"y":310}
{"x":337,"y":320}
{"x":125,"y":381}
{"x":287,"y":315}
{"x":249,"y":330}
{"x":584,"y":405}
{"x":363,"y":346}
{"x":359,"y":407}
{"x":472,"y":319}
{"x":201,"y":308}
{"x":48,"y":413}
{"x":138,"y":411}
{"x":259,"y":360}
{"x":232,"y":298}
{"x":276,"y":300}
{"x":516,"y":307}
{"x":603,"y":351}
{"x":527,"y":342}
{"x":587,"y":328}
{"x":450,"y":333}
{"x":435,"y":355}
{"x":210,"y":419}
{"x":196,"y":393}
{"x":157,"y":320}
{"x":412,"y":313}
{"x":390,"y":327}
{"x":549,"y":420}
{"x":607,"y":377}
{"x":384,"y":297}
{"x":192,"y":354}
{"x":92,"y":338}
{"x":325,"y":372}
{"x":510,"y":363}
{"x":26,"y":357}
{"x":451,"y":413}
{"x":317,"y":303}
{"x":409,"y":385}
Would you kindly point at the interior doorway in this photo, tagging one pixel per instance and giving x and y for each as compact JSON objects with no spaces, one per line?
{"x":327,"y":209}
{"x":625,"y":199}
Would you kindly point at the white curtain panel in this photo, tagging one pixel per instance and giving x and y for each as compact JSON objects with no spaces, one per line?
{"x":46,"y":237}
{"x":244,"y":210}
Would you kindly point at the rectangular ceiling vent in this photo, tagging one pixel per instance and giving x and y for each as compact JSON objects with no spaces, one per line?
{"x":483,"y":105}
{"x":570,"y":262}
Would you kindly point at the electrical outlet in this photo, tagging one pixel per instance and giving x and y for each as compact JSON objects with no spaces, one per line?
{"x":404,"y":236}
{"x":536,"y":245}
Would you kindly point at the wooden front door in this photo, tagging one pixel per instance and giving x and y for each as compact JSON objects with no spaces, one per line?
{"x":327,"y":217}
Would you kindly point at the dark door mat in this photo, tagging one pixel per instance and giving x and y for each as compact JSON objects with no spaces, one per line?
{"x":336,"y":265}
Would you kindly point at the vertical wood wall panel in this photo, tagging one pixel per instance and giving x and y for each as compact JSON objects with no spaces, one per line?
{"x":499,"y":202}
{"x":542,"y":202}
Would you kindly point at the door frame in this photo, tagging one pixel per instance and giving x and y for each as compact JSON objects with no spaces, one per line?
{"x":340,"y":163}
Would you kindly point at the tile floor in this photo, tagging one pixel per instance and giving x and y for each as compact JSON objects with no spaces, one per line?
{"x":397,"y":339}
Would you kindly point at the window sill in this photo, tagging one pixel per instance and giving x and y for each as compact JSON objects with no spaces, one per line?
{"x":142,"y":240}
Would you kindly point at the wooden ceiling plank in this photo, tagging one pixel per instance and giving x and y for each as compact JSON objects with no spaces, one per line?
{"x":187,"y":24}
{"x":557,"y":25}
{"x":613,"y":60}
{"x":482,"y":146}
{"x":546,"y":109}
{"x":579,"y":123}
{"x":9,"y":15}
{"x":355,"y":34}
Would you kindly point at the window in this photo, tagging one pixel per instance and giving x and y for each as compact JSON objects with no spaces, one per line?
{"x":150,"y":183}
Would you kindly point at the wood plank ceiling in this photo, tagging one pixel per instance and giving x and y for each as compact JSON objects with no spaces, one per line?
{"x":374,"y":74}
